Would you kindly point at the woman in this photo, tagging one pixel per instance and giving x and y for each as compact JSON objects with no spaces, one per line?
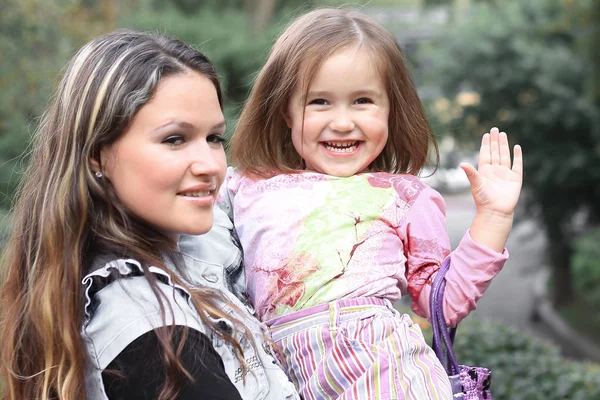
{"x":99,"y":299}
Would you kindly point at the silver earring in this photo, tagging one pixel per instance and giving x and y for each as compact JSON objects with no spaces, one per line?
{"x":99,"y":174}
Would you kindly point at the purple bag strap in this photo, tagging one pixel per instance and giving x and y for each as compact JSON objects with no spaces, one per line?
{"x":442,"y":337}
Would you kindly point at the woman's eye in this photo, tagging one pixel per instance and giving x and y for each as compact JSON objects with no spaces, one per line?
{"x":216,"y":138}
{"x":363,"y":100}
{"x":174,"y":140}
{"x":318,"y":102}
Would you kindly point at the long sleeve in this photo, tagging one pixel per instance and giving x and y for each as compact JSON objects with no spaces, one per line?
{"x":427,"y":245}
{"x":140,"y":373}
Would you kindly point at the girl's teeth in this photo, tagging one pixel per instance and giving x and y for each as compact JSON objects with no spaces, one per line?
{"x":198,"y":194}
{"x":341,"y":148}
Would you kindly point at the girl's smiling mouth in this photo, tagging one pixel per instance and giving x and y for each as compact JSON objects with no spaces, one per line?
{"x":338,"y":147}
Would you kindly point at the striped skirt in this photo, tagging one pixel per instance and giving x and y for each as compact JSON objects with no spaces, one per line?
{"x":358,"y":349}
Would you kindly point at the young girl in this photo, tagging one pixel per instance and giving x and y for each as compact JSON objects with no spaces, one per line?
{"x":334,"y":224}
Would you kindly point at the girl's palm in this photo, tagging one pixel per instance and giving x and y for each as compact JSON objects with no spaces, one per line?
{"x":496,"y":185}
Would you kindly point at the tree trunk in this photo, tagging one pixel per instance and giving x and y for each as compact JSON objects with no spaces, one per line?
{"x":560,"y":250}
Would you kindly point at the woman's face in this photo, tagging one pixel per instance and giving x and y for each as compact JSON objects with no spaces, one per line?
{"x":168,"y":165}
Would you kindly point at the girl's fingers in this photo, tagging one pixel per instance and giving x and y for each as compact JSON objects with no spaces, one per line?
{"x":484,"y":150}
{"x":472,"y":174}
{"x":494,"y":147}
{"x":504,"y":150}
{"x":518,"y":161}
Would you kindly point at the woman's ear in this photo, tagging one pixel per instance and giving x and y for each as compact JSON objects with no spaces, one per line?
{"x":104,"y":161}
{"x":101,"y":162}
{"x":96,"y":167}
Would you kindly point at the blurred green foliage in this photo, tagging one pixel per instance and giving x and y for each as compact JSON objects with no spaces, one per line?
{"x":223,"y":36}
{"x":29,"y":69}
{"x":36,"y":39}
{"x":586,"y":268}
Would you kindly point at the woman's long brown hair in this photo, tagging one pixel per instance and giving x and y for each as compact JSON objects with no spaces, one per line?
{"x":63,"y":217}
{"x":262,"y":145}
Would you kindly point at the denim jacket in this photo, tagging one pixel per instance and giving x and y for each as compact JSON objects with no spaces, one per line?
{"x":120,"y":307}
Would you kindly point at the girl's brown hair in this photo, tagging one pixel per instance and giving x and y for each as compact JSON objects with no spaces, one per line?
{"x":64,"y":217}
{"x":262,"y":145}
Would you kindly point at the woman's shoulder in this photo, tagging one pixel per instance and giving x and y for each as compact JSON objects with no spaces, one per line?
{"x":124,"y":281}
{"x":120,"y":305}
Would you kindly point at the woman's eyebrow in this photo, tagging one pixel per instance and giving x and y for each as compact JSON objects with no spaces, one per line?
{"x":187,"y":125}
{"x":222,"y":124}
{"x":181,"y":124}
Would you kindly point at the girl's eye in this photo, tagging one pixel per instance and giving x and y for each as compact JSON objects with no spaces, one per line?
{"x":318,"y":102}
{"x":174,"y":140}
{"x":216,"y":139}
{"x":363,"y":100}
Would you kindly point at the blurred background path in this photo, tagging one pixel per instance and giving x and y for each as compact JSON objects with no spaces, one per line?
{"x":511,"y":297}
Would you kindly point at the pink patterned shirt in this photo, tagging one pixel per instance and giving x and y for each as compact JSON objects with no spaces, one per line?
{"x":310,"y":238}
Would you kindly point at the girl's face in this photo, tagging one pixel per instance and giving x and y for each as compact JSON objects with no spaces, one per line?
{"x":342,"y":124}
{"x":169,"y":164}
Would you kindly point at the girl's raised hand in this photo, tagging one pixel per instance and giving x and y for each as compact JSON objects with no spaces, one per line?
{"x":496,"y":184}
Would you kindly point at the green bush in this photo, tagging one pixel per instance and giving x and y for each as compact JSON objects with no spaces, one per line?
{"x":586,"y":267}
{"x":523,"y":367}
{"x":225,"y":37}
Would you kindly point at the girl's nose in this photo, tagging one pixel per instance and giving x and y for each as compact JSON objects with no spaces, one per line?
{"x":342,"y":122}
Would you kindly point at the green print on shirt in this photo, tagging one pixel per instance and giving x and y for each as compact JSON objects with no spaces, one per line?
{"x":333,"y":230}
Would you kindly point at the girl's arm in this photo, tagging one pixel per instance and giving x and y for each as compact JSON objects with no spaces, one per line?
{"x":495,"y":186}
{"x":426,"y":246}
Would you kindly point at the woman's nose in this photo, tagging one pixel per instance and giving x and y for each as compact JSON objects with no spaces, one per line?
{"x":205,"y":161}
